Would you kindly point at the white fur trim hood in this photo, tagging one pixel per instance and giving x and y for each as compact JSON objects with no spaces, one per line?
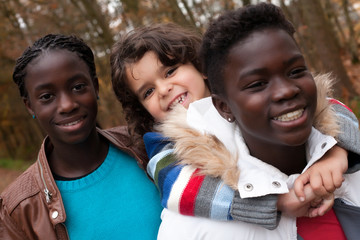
{"x":200,"y":150}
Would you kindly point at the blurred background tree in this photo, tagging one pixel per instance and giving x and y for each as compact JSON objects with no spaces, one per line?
{"x":327,"y":30}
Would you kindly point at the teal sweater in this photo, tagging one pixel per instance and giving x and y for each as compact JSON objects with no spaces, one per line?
{"x":119,"y":189}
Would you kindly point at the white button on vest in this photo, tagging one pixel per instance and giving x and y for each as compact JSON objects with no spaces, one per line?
{"x":248,"y":187}
{"x":55,"y":214}
{"x":276,"y":184}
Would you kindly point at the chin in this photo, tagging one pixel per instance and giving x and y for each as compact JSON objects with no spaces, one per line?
{"x":298,"y":140}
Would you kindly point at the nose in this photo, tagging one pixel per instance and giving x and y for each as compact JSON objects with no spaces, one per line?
{"x":164,"y":88}
{"x":66,"y":103}
{"x":283,"y":89}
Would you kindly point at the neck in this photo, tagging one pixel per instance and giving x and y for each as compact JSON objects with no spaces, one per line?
{"x":75,"y":160}
{"x":287,"y":159}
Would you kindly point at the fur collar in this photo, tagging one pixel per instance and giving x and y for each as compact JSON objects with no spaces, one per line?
{"x":208,"y":154}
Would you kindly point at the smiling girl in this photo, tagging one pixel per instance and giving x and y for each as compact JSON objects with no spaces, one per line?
{"x":86,"y":182}
{"x":263,"y":107}
{"x":155,"y":68}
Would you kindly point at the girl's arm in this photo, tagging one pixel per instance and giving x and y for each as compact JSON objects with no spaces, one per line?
{"x":349,"y":137}
{"x":185,"y":191}
{"x":327,"y":174}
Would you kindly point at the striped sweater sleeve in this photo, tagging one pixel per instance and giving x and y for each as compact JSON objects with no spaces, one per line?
{"x":186,"y":192}
{"x":349,"y":137}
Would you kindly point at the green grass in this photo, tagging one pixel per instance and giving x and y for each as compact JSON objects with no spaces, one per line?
{"x":14,"y":164}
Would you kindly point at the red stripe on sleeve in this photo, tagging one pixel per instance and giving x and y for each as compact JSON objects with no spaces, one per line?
{"x":334,"y":101}
{"x":188,"y":197}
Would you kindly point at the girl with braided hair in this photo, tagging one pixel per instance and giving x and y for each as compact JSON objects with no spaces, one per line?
{"x":86,"y":182}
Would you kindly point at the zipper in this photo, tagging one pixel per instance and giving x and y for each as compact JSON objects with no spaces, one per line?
{"x":48,"y":194}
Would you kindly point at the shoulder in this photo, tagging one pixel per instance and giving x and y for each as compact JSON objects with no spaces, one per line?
{"x":121,"y":131}
{"x":24,"y":187}
{"x":121,"y":139}
{"x":343,"y":111}
{"x":119,"y":136}
{"x":155,"y":143}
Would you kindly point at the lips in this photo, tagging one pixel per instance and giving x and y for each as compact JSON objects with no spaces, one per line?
{"x":70,"y":122}
{"x":291,"y":116}
{"x":178,"y":100}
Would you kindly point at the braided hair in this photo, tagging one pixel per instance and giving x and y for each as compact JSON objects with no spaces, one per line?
{"x":48,"y":43}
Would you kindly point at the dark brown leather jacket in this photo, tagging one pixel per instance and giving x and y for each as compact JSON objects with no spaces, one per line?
{"x":32,"y":208}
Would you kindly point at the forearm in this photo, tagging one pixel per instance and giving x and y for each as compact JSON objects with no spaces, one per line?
{"x":215,"y":200}
{"x":260,"y":210}
{"x":185,"y":191}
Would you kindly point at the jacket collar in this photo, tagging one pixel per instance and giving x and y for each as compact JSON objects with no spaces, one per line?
{"x":49,"y":191}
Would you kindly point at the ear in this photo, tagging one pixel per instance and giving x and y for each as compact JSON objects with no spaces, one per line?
{"x":28,"y":105}
{"x":96,"y":85}
{"x":222,"y":107}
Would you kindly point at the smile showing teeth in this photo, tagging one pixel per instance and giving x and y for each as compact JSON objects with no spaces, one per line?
{"x":178,"y":100}
{"x":72,"y":123}
{"x":290,"y":116}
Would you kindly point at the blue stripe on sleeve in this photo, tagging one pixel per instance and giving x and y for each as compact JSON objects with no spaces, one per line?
{"x":154,"y":142}
{"x":222,"y":201}
{"x":167,"y":178}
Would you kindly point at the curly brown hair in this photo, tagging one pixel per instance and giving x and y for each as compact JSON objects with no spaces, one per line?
{"x":171,"y":43}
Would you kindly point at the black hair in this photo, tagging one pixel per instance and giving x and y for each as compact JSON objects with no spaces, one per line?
{"x":52,"y":42}
{"x":231,"y":28}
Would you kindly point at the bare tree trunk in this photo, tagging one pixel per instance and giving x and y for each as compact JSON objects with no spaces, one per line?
{"x":189,"y":12}
{"x":329,"y":9}
{"x":95,"y":17}
{"x":294,"y":14}
{"x":326,"y":48}
{"x":8,"y":9}
{"x":178,"y":15}
{"x":131,"y":8}
{"x":352,"y":40}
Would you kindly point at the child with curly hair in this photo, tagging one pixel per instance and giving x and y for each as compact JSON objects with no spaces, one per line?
{"x":156,"y":68}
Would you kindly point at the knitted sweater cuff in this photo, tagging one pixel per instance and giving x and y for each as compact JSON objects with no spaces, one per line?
{"x":260,"y":210}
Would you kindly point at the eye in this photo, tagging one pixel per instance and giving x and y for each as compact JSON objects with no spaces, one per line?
{"x":79,"y":87}
{"x":148,"y":92}
{"x":297,"y":72}
{"x":256,"y":85}
{"x":46,"y":97}
{"x":171,"y":71}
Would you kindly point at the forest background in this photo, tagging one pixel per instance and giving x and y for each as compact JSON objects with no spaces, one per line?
{"x":328,"y":32}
